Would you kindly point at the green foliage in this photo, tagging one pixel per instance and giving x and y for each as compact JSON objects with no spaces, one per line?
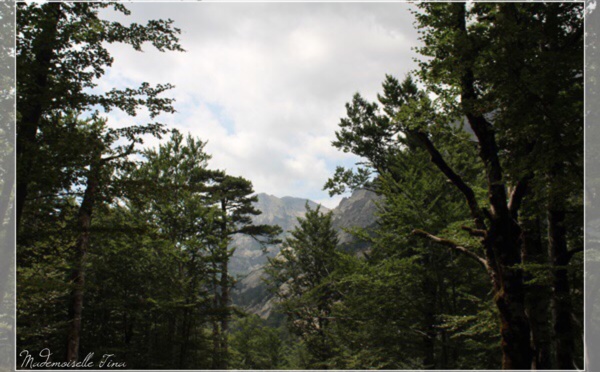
{"x":527,"y":66}
{"x":407,"y":288}
{"x":347,"y":179}
{"x":299,"y":277}
{"x":490,"y":64}
{"x":157,"y":247}
{"x":157,"y":289}
{"x":74,"y":38}
{"x":61,"y":54}
{"x":255,"y":345}
{"x":139,"y":303}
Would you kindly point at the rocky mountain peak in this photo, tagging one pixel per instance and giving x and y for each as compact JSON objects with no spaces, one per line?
{"x":357,"y":210}
{"x":249,"y":255}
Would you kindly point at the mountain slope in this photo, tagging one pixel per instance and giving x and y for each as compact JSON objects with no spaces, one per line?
{"x":250,"y":292}
{"x":249,"y":254}
{"x":358,"y":210}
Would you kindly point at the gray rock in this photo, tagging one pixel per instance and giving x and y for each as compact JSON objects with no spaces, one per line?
{"x":250,"y":291}
{"x":249,"y":255}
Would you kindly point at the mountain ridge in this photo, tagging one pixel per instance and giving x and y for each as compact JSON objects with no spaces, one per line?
{"x":249,"y":255}
{"x":250,"y":292}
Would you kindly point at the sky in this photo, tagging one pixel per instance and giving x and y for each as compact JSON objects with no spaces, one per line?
{"x":266,"y":83}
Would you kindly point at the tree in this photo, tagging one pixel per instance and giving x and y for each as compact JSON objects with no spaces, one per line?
{"x":232,"y":196}
{"x":170,"y":192}
{"x":299,"y":277}
{"x":61,"y":224}
{"x":519,"y":86}
{"x":435,"y":285}
{"x":492,"y":66}
{"x":135,"y":295}
{"x":103,"y":159}
{"x":60,"y":54}
{"x":255,"y":345}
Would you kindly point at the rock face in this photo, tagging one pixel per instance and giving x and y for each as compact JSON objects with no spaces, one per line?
{"x":252,"y":295}
{"x":359,"y":210}
{"x":249,"y":255}
{"x":250,"y":292}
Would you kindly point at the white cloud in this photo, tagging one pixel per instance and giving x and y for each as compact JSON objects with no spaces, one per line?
{"x":266,"y":84}
{"x":330,"y":202}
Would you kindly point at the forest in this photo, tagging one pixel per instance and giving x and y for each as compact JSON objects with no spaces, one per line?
{"x":475,"y":260}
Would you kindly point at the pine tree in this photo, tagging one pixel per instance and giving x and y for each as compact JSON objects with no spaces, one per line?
{"x":299,"y":277}
{"x":232,"y":196}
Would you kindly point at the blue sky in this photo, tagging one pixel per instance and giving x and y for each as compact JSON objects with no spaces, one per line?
{"x":265,"y":83}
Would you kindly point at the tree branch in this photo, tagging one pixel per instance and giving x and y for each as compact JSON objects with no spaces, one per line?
{"x":438,"y":160}
{"x":55,"y":195}
{"x":483,"y":129}
{"x":517,"y":195}
{"x":475,"y":232}
{"x":127,"y":152}
{"x":449,"y":243}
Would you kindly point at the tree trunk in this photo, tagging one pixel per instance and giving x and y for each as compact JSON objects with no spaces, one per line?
{"x":171,"y":347}
{"x":185,"y":335}
{"x":224,"y":286}
{"x":216,"y":345}
{"x":503,"y":246}
{"x":78,"y":275}
{"x":514,"y":329}
{"x":216,"y":335}
{"x":561,"y":299}
{"x":429,"y":342}
{"x":430,"y":293}
{"x":225,"y":318}
{"x":32,"y":109}
{"x":538,"y":296}
{"x":502,"y":240}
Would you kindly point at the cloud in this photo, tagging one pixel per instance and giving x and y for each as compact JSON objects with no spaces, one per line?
{"x":330,"y":202}
{"x":266,"y":83}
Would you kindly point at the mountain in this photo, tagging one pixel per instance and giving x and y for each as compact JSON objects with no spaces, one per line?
{"x":358,"y":210}
{"x":249,"y":254}
{"x":250,"y":292}
{"x":252,"y":295}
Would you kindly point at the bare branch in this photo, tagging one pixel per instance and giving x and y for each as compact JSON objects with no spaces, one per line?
{"x":484,"y":131}
{"x":127,"y":152}
{"x":66,"y":193}
{"x":438,"y":160}
{"x":517,"y":195}
{"x":449,"y":243}
{"x":475,"y":232}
